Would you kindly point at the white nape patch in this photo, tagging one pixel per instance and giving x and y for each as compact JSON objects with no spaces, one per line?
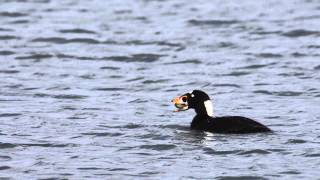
{"x":191,"y":93}
{"x":209,"y":107}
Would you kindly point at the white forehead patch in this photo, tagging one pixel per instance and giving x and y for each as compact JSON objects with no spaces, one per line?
{"x":209,"y":107}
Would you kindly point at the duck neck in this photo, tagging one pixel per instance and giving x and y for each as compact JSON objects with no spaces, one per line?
{"x":204,"y":109}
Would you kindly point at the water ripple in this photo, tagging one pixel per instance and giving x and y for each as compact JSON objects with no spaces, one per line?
{"x":4,"y":167}
{"x":215,"y":152}
{"x":158,"y":147}
{"x":35,"y":56}
{"x":78,"y":31}
{"x":8,"y":37}
{"x":189,"y":61}
{"x":255,"y":151}
{"x":10,"y":145}
{"x":240,"y":178}
{"x":69,"y":96}
{"x":102,"y":134}
{"x":6,"y":53}
{"x":12,"y":14}
{"x":59,"y":40}
{"x":135,"y":58}
{"x":300,"y":33}
{"x":212,"y":22}
{"x":9,"y":114}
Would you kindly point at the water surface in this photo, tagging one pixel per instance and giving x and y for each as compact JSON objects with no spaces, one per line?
{"x":85,"y":88}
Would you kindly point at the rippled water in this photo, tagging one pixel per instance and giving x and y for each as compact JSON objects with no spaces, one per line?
{"x":85,"y":88}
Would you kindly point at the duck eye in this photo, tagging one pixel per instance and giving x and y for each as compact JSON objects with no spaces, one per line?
{"x":184,"y":99}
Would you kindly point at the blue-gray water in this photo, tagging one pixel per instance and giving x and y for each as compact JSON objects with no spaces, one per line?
{"x":85,"y":88}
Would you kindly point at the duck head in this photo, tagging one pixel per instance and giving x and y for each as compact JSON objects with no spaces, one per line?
{"x":197,"y":100}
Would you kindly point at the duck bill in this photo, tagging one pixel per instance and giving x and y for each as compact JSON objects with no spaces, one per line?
{"x":179,"y":104}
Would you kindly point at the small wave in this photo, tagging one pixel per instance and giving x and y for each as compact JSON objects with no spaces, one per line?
{"x":215,"y":152}
{"x":175,"y":127}
{"x":100,"y":134}
{"x":269,"y":55}
{"x":255,"y":151}
{"x":256,"y":66}
{"x":297,"y":54}
{"x":190,"y":61}
{"x":273,"y":117}
{"x":66,"y":56}
{"x":69,"y":108}
{"x":109,"y":89}
{"x":159,"y":43}
{"x":59,"y":40}
{"x":288,"y":93}
{"x":312,"y":155}
{"x":10,"y":114}
{"x":12,"y":14}
{"x":212,"y":22}
{"x":118,"y":169}
{"x":313,"y":47}
{"x":90,"y":168}
{"x":88,"y":76}
{"x":136,"y":58}
{"x":290,"y":172}
{"x":296,"y":141}
{"x":263,"y":92}
{"x":4,"y":167}
{"x":300,"y":33}
{"x":237,"y":73}
{"x":227,"y":45}
{"x":159,"y":147}
{"x":6,"y":29}
{"x":35,"y":56}
{"x":5,"y":158}
{"x":154,"y":136}
{"x":135,"y":79}
{"x":164,"y":43}
{"x":227,"y":85}
{"x":266,"y":32}
{"x":149,"y":173}
{"x":6,"y":53}
{"x":69,"y":96}
{"x":281,"y":93}
{"x":277,"y":150}
{"x":110,"y":68}
{"x":83,"y":40}
{"x":77,"y":31}
{"x":47,"y":145}
{"x":20,"y":22}
{"x":155,"y":81}
{"x":41,"y":95}
{"x":6,"y":145}
{"x":240,"y":178}
{"x":8,"y":37}
{"x":127,"y":126}
{"x":9,"y":71}
{"x":138,"y":101}
{"x":317,"y":67}
{"x":10,"y":145}
{"x":123,"y":12}
{"x":132,"y":126}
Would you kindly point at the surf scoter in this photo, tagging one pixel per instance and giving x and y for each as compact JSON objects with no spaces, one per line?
{"x":204,"y":120}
